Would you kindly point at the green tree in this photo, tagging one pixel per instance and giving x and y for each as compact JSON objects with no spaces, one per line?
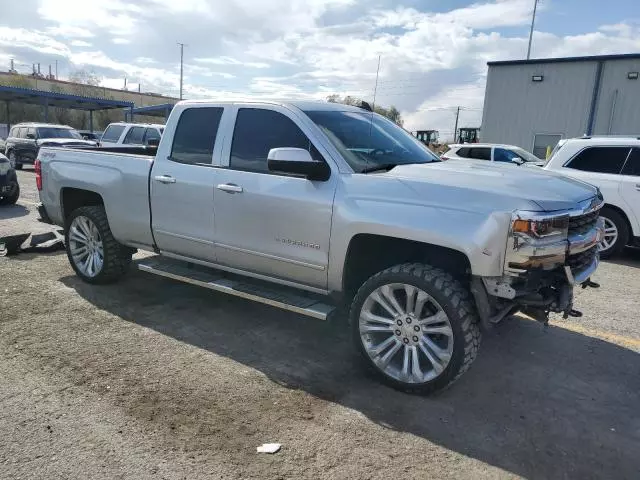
{"x":392,"y":113}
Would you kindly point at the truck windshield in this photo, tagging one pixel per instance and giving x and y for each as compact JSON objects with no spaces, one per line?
{"x":367,"y":140}
{"x":49,"y":132}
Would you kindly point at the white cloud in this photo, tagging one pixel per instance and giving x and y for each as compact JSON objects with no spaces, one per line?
{"x":224,"y":60}
{"x":79,"y":43}
{"x":431,"y":62}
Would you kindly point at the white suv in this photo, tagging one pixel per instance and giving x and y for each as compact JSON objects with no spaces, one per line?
{"x":131,"y":134}
{"x":491,"y":152}
{"x":613,"y":165}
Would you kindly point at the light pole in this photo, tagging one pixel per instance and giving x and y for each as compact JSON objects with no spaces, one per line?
{"x":181,"y":64}
{"x":533,"y":21}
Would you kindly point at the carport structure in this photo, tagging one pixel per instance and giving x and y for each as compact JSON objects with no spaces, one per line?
{"x":47,"y":99}
{"x":162,"y":110}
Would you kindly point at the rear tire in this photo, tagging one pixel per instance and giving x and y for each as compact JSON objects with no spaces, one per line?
{"x":87,"y":234}
{"x":437,"y":328}
{"x":616,"y":234}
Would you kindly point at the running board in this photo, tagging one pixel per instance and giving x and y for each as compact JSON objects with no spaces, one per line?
{"x":275,"y":295}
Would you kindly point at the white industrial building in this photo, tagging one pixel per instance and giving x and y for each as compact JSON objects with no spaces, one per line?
{"x":535,"y":103}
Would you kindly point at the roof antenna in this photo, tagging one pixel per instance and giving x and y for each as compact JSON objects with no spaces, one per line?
{"x":375,"y":90}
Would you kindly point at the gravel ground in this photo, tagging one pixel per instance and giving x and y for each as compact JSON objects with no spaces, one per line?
{"x":151,"y":378}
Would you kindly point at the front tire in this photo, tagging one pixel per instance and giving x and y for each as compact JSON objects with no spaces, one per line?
{"x":94,"y":254}
{"x":14,"y":192}
{"x":616,"y":233}
{"x":415,"y":327}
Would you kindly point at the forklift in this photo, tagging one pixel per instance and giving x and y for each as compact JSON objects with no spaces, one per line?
{"x":468,"y":135}
{"x":428,"y":137}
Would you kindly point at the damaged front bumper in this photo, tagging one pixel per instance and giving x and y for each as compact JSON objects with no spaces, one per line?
{"x":541,"y":273}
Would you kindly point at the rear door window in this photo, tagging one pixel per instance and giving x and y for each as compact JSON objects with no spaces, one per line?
{"x":195,"y":135}
{"x":600,"y":159}
{"x":112,"y":133}
{"x":134,"y":136}
{"x":632,"y":167}
{"x":480,"y":153}
{"x":151,"y":134}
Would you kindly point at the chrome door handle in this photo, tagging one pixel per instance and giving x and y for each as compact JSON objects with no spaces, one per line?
{"x":638,"y":186}
{"x":164,"y":179}
{"x":230,"y":188}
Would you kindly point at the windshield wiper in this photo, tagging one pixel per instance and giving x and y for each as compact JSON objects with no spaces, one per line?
{"x":382,"y":166}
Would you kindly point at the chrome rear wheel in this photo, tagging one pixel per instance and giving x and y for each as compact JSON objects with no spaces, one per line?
{"x":85,"y":246}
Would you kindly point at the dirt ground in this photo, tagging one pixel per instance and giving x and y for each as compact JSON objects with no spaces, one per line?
{"x":150,"y":378}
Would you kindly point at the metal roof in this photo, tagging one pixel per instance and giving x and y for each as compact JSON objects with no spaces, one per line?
{"x":57,"y":99}
{"x":161,"y":110}
{"x":591,"y":58}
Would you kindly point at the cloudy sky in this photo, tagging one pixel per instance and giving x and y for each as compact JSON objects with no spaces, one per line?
{"x":433,"y":52}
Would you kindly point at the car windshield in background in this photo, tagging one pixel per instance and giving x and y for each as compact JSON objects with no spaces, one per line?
{"x":366,"y":140}
{"x":526,"y":156}
{"x":58,"y":133}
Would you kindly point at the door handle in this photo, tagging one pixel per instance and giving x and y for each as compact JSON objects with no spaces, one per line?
{"x":638,"y":186}
{"x":230,"y":188}
{"x":164,"y":179}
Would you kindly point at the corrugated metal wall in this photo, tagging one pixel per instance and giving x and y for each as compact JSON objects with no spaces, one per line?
{"x":516,"y":108}
{"x":618,"y":108}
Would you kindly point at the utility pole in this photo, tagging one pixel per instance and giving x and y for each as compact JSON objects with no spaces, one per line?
{"x":455,"y":129}
{"x":56,"y":69}
{"x":533,"y":21}
{"x":182,"y":45}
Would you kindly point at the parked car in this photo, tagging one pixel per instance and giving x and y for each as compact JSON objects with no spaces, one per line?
{"x":89,"y":135}
{"x":9,"y":187}
{"x":131,"y":134}
{"x":25,"y":139}
{"x":3,"y":145}
{"x":613,"y":165}
{"x":319,"y":205}
{"x":491,"y":152}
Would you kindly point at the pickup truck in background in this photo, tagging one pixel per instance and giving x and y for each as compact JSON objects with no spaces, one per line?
{"x":121,"y":134}
{"x":311,"y":206}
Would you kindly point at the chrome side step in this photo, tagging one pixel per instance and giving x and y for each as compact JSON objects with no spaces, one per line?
{"x":277,"y":296}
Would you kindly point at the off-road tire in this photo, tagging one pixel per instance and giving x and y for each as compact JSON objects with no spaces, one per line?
{"x":454,"y":299}
{"x":623,"y":232}
{"x":117,"y":257}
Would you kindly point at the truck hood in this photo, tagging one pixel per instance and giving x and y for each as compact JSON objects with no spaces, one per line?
{"x":504,"y":185}
{"x":64,"y":142}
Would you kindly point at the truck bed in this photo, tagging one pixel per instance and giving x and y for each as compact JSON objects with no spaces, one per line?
{"x":121,"y":179}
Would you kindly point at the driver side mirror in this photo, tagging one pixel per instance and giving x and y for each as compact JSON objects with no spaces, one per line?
{"x":297,"y":161}
{"x":31,"y":136}
{"x":517,"y":160}
{"x":153,"y":142}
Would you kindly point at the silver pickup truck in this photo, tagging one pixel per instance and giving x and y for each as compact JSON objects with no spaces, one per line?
{"x":312,"y":206}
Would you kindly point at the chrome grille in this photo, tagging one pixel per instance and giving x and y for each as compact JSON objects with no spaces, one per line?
{"x":582,"y":224}
{"x":582,"y":260}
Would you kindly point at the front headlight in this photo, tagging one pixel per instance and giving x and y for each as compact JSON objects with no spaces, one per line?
{"x":540,"y":227}
{"x":5,"y":166}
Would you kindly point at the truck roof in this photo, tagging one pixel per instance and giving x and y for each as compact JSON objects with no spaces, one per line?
{"x":301,"y":104}
{"x":37,"y":124}
{"x":135,"y":124}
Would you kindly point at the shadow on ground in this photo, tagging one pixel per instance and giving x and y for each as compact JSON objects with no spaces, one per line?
{"x":538,"y":403}
{"x":630,"y":258}
{"x":13,"y":211}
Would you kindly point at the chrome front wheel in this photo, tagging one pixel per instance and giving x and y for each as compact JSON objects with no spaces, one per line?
{"x":85,"y":246}
{"x":416,"y":327}
{"x":406,"y":333}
